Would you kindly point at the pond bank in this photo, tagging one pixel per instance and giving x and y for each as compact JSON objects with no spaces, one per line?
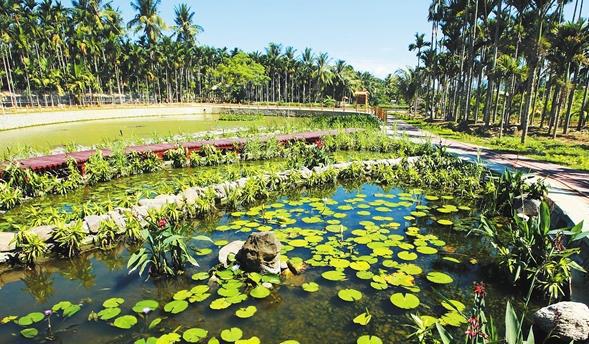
{"x":22,"y":120}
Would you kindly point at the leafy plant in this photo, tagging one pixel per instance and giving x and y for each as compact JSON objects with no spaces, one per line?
{"x":98,"y":169}
{"x":177,"y":156}
{"x":29,"y":247}
{"x":165,"y":252}
{"x":68,"y":238}
{"x":106,"y":237}
{"x":530,"y":251}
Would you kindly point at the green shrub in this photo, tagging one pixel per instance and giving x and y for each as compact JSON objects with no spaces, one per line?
{"x":98,"y":169}
{"x":177,"y":156}
{"x":68,"y":238}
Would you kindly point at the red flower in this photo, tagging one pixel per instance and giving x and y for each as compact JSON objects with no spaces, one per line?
{"x":162,"y":223}
{"x":480,"y":289}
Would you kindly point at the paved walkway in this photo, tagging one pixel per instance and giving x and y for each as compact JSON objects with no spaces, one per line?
{"x":568,"y":188}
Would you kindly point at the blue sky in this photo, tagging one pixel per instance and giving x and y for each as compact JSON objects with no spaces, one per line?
{"x":371,"y":35}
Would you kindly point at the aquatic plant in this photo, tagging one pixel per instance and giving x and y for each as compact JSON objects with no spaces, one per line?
{"x":98,"y":169}
{"x":9,"y":197}
{"x":68,"y":238}
{"x":304,"y":155}
{"x":29,"y":247}
{"x":177,"y":156}
{"x":533,"y":253}
{"x":106,"y":238}
{"x":165,"y":252}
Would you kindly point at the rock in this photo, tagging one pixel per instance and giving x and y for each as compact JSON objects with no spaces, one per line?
{"x":231,"y":248}
{"x":527,"y":206}
{"x":6,"y":244}
{"x":190,"y":196}
{"x":92,"y":223}
{"x":159,"y":202}
{"x":119,"y":219}
{"x":43,"y":232}
{"x":260,"y":253}
{"x":567,"y":321}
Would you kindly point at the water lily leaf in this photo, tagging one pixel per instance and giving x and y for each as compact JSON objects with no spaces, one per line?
{"x":364,"y":275}
{"x":182,"y":295}
{"x":444,"y":222}
{"x":339,"y":263}
{"x":260,"y":292}
{"x":237,"y":299}
{"x":176,"y":306}
{"x":168,"y":338}
{"x":143,"y":305}
{"x":125,"y":322}
{"x":228,"y":292}
{"x":220,"y":303}
{"x":407,"y":255}
{"x":231,"y":335}
{"x":60,"y":306}
{"x":252,"y":340}
{"x":213,"y":340}
{"x":453,"y":318}
{"x":200,"y":276}
{"x":367,"y":339}
{"x":439,"y":277}
{"x":246,"y":312}
{"x":29,"y":333}
{"x":298,"y":243}
{"x":334,"y":275}
{"x":290,"y":341}
{"x":451,"y":259}
{"x":113,"y":302}
{"x":363,"y":318}
{"x":310,"y":287}
{"x":71,"y":310}
{"x":426,"y":250}
{"x":360,"y":266}
{"x":349,"y":295}
{"x":154,"y":323}
{"x":109,"y":313}
{"x":194,"y":335}
{"x":30,"y":319}
{"x":405,"y":301}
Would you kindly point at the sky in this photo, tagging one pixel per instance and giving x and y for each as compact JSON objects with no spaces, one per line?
{"x":371,"y":35}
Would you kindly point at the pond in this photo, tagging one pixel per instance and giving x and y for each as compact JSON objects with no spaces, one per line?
{"x":128,"y":190}
{"x":378,"y":242}
{"x":88,"y":133}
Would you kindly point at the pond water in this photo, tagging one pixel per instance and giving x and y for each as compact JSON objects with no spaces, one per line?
{"x":413,"y":240}
{"x":120,"y":192}
{"x":88,"y":133}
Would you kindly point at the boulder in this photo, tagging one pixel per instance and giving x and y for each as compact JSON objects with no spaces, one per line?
{"x":260,"y":253}
{"x":92,"y":223}
{"x":565,"y":321}
{"x":6,"y":244}
{"x":43,"y":232}
{"x":526,"y":206}
{"x":231,"y":248}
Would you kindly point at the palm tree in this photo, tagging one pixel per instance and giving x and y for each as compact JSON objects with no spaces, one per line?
{"x":418,"y":45}
{"x":147,"y":19}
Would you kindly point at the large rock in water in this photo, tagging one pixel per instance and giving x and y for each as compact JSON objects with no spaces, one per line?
{"x":260,"y":253}
{"x":567,"y":321}
{"x":230,"y":249}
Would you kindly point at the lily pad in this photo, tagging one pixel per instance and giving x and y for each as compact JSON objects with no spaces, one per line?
{"x":367,"y":339}
{"x":405,"y":301}
{"x":360,"y":266}
{"x":194,"y":335}
{"x":113,"y":302}
{"x":260,"y":292}
{"x":363,"y":318}
{"x":444,"y":222}
{"x":142,"y":305}
{"x":109,"y":313}
{"x":125,"y":322}
{"x":220,"y":303}
{"x":439,"y":277}
{"x":349,"y":295}
{"x":334,"y":275}
{"x":310,"y":287}
{"x":29,"y":333}
{"x":176,"y":306}
{"x":231,"y":335}
{"x":246,"y":312}
{"x":30,"y":319}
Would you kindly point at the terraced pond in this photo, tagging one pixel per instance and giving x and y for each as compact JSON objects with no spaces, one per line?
{"x":88,"y":133}
{"x":383,"y":252}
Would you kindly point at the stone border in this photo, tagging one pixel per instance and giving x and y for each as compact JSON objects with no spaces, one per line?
{"x":92,"y":223}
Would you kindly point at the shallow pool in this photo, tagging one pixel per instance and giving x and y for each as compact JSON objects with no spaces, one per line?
{"x":88,"y":133}
{"x":382,"y":242}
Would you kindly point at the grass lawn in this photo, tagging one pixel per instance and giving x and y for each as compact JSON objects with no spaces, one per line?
{"x":571,"y":150}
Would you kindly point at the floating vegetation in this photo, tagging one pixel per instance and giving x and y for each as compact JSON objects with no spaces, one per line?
{"x":359,"y":271}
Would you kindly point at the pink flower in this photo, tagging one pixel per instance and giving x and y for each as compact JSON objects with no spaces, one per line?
{"x":162,"y":223}
{"x":480,"y":289}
